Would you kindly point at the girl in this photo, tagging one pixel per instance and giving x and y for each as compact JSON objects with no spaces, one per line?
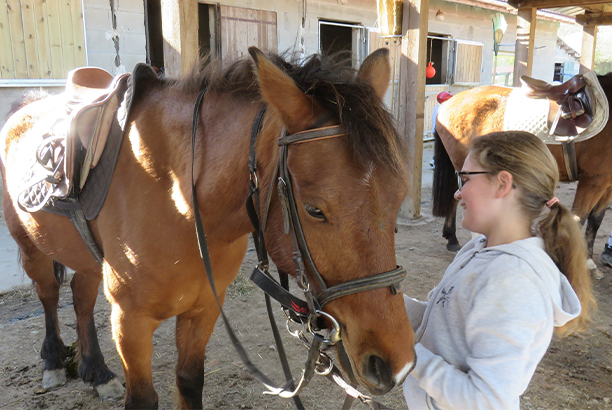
{"x":489,"y":322}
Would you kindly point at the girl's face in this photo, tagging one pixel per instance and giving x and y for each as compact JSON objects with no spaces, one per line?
{"x":477,"y":197}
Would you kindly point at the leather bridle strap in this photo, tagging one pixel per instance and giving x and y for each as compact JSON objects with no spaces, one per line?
{"x":311,"y":364}
{"x":301,"y":252}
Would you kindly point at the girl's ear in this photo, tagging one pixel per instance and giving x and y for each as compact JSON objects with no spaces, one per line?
{"x":505,"y":183}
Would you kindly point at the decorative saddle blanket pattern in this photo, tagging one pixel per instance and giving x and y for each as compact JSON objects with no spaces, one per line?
{"x":531,"y":115}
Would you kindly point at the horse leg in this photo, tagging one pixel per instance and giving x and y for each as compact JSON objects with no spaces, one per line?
{"x":47,"y":277}
{"x":193,"y":328}
{"x":133,"y":335}
{"x":192,"y":334}
{"x":92,"y":369}
{"x":590,"y":205}
{"x":593,"y":224}
{"x":449,"y":231}
{"x":41,"y":270}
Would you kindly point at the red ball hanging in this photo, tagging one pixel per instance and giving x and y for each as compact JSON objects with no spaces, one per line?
{"x":430,"y":71}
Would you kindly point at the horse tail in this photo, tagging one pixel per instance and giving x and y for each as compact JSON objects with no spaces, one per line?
{"x":444,"y":181}
{"x":59,"y":270}
{"x":28,"y":97}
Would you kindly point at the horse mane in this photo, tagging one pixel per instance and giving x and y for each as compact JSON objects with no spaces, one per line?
{"x":332,"y":83}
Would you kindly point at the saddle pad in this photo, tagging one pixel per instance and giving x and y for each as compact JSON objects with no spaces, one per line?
{"x":526,"y":114}
{"x":92,"y":196}
{"x":601,"y":110}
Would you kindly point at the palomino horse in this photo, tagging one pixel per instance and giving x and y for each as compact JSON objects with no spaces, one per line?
{"x":478,"y":111}
{"x":348,"y":190}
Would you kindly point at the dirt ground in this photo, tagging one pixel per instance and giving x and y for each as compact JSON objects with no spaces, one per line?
{"x":576,"y":373}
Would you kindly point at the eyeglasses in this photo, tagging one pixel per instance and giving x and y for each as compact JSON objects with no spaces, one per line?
{"x":460,"y":175}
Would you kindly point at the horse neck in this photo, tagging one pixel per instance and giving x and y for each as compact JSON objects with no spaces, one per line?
{"x":222,"y":156}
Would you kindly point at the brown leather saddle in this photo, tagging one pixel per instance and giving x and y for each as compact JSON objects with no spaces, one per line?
{"x":570,"y":103}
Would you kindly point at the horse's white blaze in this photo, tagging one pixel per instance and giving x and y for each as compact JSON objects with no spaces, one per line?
{"x":401,"y":375}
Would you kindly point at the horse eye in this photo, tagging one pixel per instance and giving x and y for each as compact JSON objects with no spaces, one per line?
{"x":314,"y":212}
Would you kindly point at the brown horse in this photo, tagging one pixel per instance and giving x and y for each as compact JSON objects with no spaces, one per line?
{"x":348,"y":190}
{"x":478,"y":111}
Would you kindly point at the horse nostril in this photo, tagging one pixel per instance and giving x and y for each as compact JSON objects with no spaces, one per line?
{"x":378,"y":374}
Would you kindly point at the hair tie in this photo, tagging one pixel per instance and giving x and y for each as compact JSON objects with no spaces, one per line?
{"x":552,"y":201}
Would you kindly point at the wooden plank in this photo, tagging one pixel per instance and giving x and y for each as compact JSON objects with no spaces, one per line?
{"x":594,"y":19}
{"x":179,"y":28}
{"x":412,"y":98}
{"x":7,"y":68}
{"x":66,"y":35}
{"x":28,"y":21}
{"x":78,"y":36}
{"x":42,"y":35}
{"x":543,"y":4}
{"x":525,"y":33}
{"x":55,"y":39}
{"x":241,"y":28}
{"x":17,"y":41}
{"x":587,"y":53}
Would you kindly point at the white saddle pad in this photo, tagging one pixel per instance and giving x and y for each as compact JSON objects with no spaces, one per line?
{"x":528,"y":114}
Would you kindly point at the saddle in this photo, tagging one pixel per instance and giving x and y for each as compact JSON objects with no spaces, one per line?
{"x":570,"y":103}
{"x":74,"y":145}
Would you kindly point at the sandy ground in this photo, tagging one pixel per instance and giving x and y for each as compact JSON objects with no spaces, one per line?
{"x":575,"y":374}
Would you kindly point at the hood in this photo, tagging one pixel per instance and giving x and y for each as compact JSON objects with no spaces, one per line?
{"x":552,"y":281}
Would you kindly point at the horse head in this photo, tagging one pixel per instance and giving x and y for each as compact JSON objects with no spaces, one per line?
{"x":347,"y":189}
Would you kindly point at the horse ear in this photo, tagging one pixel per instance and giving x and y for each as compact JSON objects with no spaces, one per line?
{"x":280,"y":91}
{"x":376,"y":70}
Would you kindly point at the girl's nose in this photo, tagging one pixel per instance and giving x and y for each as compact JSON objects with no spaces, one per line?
{"x":458,"y":194}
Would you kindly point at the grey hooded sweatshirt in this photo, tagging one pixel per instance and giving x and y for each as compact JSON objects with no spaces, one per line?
{"x":486,"y":326}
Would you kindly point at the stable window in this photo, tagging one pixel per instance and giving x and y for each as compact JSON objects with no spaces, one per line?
{"x":467,"y":62}
{"x":335,"y":37}
{"x":439,"y":47}
{"x":41,"y":39}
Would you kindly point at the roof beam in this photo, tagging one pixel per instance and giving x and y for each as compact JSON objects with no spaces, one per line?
{"x":546,"y":4}
{"x":594,"y":19}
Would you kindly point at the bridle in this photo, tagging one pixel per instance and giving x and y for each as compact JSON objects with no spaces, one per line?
{"x":307,"y":313}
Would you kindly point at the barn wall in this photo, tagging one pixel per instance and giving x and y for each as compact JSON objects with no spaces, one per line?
{"x":474,"y":24}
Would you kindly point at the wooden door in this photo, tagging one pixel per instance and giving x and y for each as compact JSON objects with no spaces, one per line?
{"x":242,"y":28}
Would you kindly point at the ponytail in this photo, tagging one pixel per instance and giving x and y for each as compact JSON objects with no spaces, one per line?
{"x":565,"y":244}
{"x":536,"y":174}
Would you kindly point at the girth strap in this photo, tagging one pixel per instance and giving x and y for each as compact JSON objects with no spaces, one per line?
{"x":569,"y":159}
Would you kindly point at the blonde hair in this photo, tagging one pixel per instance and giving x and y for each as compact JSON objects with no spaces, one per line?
{"x":535,"y":172}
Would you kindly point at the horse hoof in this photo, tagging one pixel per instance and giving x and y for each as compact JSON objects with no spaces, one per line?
{"x":111,"y":390}
{"x":595,"y":273}
{"x":453,"y":247}
{"x":52,"y":379}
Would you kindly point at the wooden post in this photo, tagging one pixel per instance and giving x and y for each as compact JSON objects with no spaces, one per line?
{"x":413,"y":60}
{"x":587,"y":54}
{"x":180,"y":31}
{"x":525,"y":35}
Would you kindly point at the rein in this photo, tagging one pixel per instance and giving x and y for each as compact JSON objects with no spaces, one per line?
{"x":307,"y":313}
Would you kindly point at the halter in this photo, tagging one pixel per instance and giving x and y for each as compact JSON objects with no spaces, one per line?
{"x":308,"y":312}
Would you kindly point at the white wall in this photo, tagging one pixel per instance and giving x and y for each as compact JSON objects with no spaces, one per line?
{"x":289,"y":16}
{"x":473,"y":23}
{"x":102,"y":38}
